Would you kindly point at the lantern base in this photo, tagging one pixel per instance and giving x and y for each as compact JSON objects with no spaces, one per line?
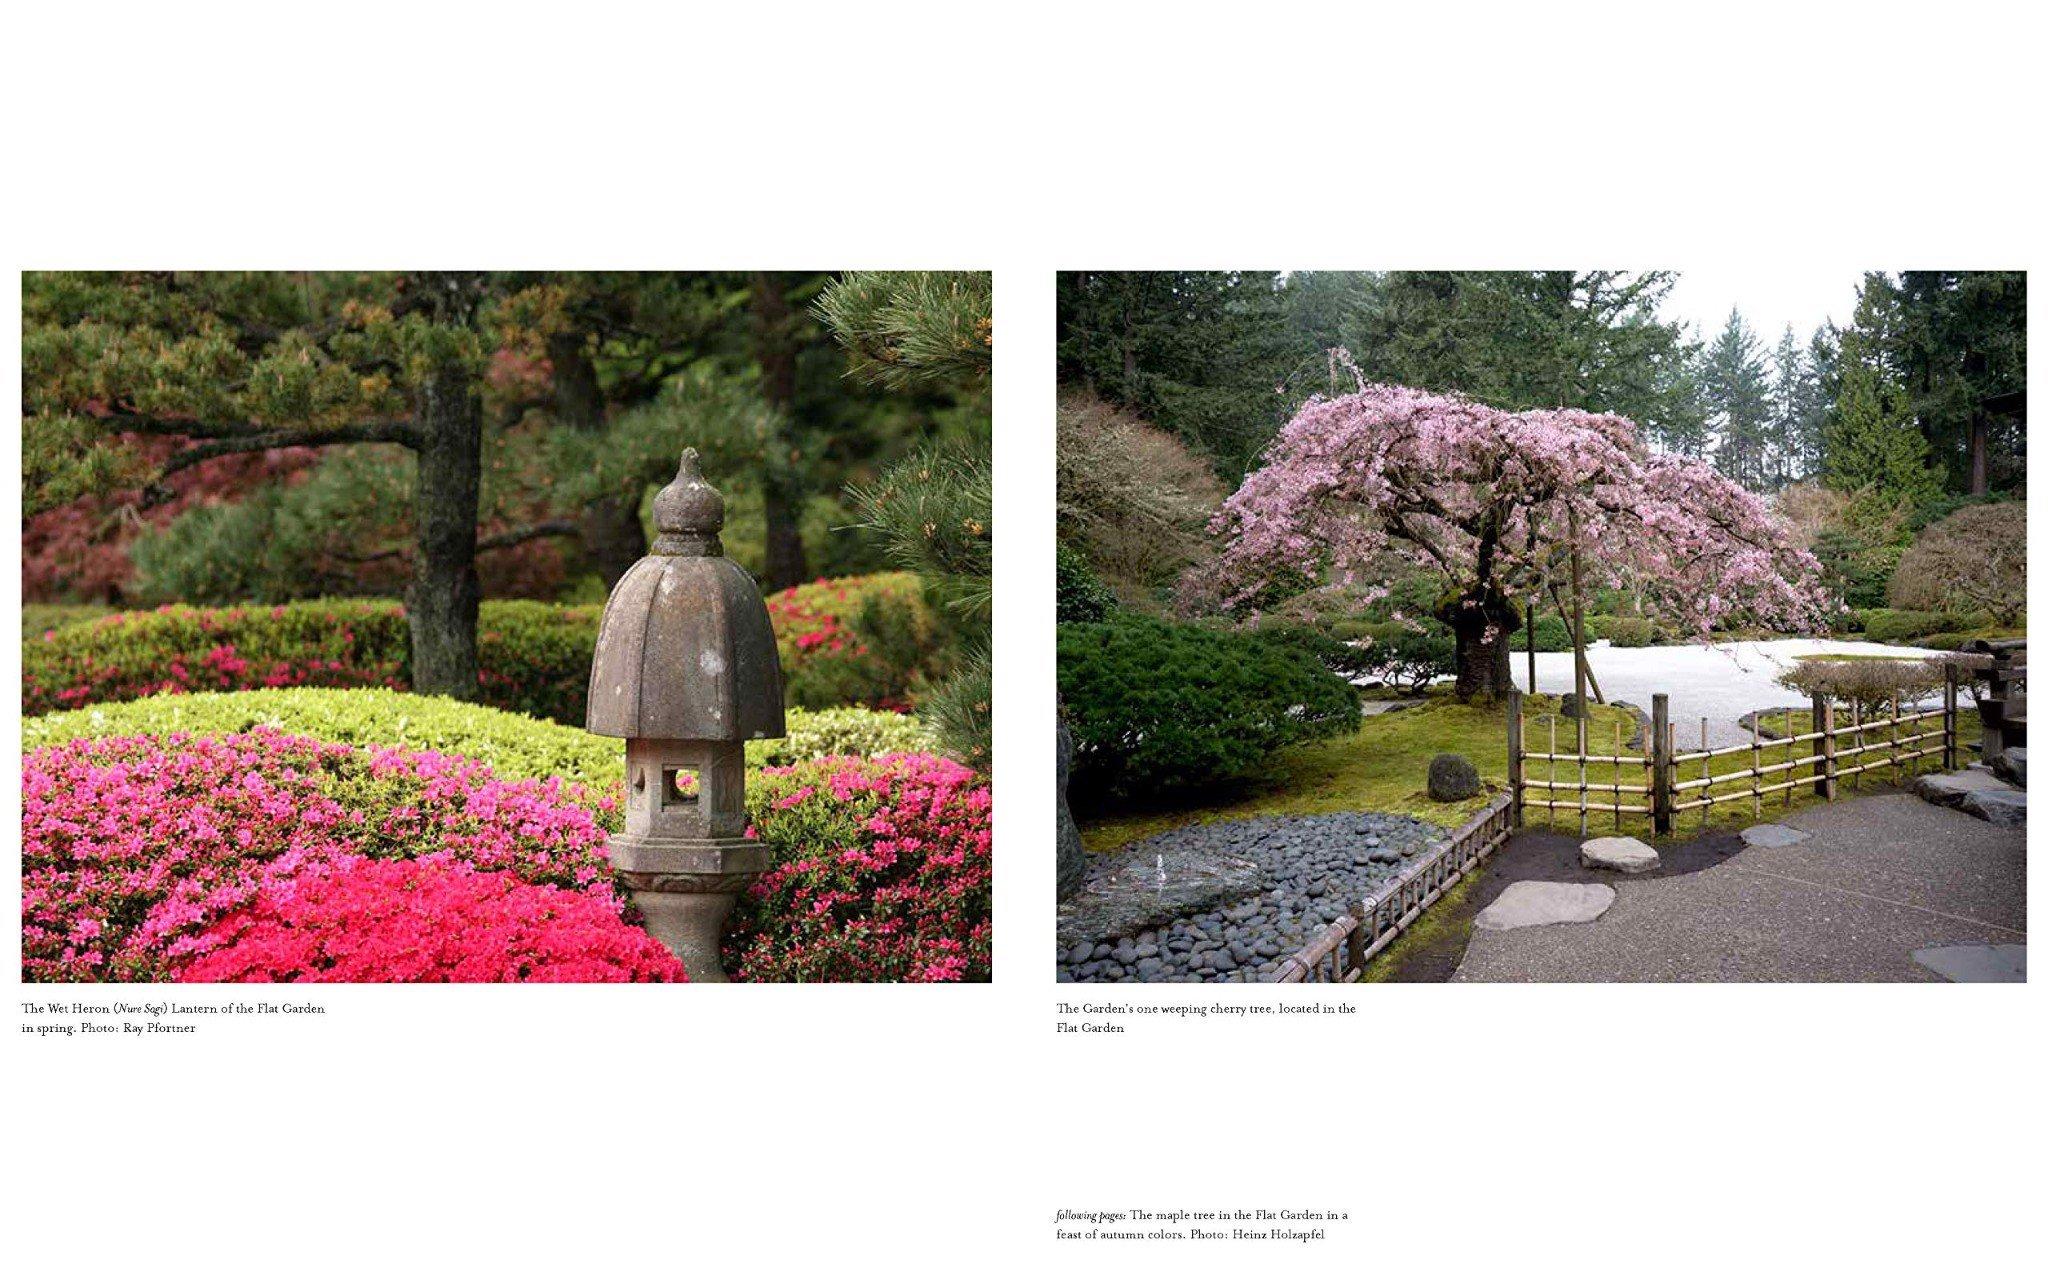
{"x":684,"y":890}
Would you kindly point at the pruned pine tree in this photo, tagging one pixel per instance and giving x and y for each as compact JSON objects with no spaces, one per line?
{"x":934,"y":511}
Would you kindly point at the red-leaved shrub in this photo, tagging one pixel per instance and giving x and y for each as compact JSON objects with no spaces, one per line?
{"x":882,"y":874}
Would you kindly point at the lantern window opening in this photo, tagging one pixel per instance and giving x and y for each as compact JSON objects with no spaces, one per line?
{"x":673,"y":789}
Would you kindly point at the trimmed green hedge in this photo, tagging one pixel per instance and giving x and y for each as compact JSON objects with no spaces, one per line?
{"x":1155,"y":706}
{"x":515,"y":746}
{"x":1630,"y":633}
{"x":864,"y":641}
{"x":37,"y":619}
{"x":1552,"y":636}
{"x":1891,"y":626}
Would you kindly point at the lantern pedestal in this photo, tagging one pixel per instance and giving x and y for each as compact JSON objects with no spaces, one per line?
{"x":684,"y":891}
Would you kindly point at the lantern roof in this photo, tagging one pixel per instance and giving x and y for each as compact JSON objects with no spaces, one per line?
{"x":685,"y":650}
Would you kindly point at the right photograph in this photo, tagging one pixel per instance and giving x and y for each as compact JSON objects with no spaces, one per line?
{"x":1545,"y":625}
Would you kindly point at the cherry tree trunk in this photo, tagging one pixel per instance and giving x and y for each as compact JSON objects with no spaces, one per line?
{"x":442,"y":601}
{"x":1481,"y":623}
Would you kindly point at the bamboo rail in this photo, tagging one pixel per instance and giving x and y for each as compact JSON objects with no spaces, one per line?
{"x":1836,"y":749}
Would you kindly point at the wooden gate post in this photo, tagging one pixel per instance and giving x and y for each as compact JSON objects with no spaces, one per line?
{"x":1515,"y":755}
{"x":1660,"y":763}
{"x":1948,"y":718}
{"x":1824,"y":746}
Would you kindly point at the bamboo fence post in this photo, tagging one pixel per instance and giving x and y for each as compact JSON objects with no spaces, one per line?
{"x":1790,"y":748}
{"x":1706,"y":788}
{"x":1550,"y":790}
{"x":1892,"y":755}
{"x":1824,"y":747}
{"x":1660,"y":763}
{"x":1856,"y":727}
{"x":1617,"y":775}
{"x":1756,"y":764}
{"x":1515,"y":755}
{"x":1354,"y":944}
{"x":1948,"y":718}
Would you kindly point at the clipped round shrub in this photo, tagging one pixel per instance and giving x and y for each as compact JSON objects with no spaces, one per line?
{"x":1081,"y":597}
{"x":881,"y":873}
{"x":1891,"y":626}
{"x":1549,"y":631}
{"x":1871,"y":683}
{"x":870,"y":640}
{"x":1630,"y":633}
{"x":1409,"y":656}
{"x":361,"y":920}
{"x":1155,"y":705}
{"x":514,"y":746}
{"x":134,"y":850}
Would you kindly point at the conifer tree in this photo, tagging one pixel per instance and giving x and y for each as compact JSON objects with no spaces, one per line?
{"x":1736,"y":391}
{"x":1876,"y":452}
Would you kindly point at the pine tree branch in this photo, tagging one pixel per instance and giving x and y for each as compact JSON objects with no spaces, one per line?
{"x":489,"y":543}
{"x":538,"y":530}
{"x":400,"y":431}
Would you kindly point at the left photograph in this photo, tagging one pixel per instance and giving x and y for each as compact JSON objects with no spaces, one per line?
{"x":506,"y":626}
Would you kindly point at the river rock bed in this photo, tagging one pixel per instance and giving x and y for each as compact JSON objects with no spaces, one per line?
{"x":1309,"y":869}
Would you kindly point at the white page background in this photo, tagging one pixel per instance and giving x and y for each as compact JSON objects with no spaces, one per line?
{"x":911,"y":1127}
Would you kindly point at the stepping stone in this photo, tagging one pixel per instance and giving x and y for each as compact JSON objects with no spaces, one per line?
{"x":2000,"y":808}
{"x":1772,"y":835}
{"x":2003,"y":964}
{"x":1532,"y":903}
{"x":2012,"y":764}
{"x":1949,"y":789}
{"x":1618,"y":852}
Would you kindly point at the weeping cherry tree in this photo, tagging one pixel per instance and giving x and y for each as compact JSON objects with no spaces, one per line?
{"x":1493,"y":501}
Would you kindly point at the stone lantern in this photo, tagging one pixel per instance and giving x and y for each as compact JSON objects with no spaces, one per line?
{"x":686,"y":671}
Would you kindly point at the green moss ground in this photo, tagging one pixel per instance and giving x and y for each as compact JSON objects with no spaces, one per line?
{"x":1384,"y":767}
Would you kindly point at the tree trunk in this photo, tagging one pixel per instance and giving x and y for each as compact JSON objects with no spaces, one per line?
{"x":612,"y":535}
{"x":442,"y":601}
{"x":1980,"y":452}
{"x":1482,"y":623}
{"x":775,"y":351}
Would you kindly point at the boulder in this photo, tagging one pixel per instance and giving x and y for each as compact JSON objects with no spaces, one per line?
{"x":1536,"y":903}
{"x":1072,"y":859}
{"x":1950,"y":789}
{"x":1975,"y":963}
{"x":2000,"y":808}
{"x":1618,"y":852}
{"x":1772,"y":835}
{"x":2012,"y":764}
{"x":1149,"y":885}
{"x":1571,"y":706}
{"x":1452,"y":777}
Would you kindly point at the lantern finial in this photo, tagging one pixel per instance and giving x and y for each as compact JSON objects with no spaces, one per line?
{"x":689,"y":512}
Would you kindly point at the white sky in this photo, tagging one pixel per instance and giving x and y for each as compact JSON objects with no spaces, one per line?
{"x":1768,"y":298}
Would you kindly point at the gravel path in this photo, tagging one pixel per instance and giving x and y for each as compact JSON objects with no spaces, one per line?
{"x":1314,"y":867}
{"x":1880,"y":879}
{"x":1721,"y":682}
